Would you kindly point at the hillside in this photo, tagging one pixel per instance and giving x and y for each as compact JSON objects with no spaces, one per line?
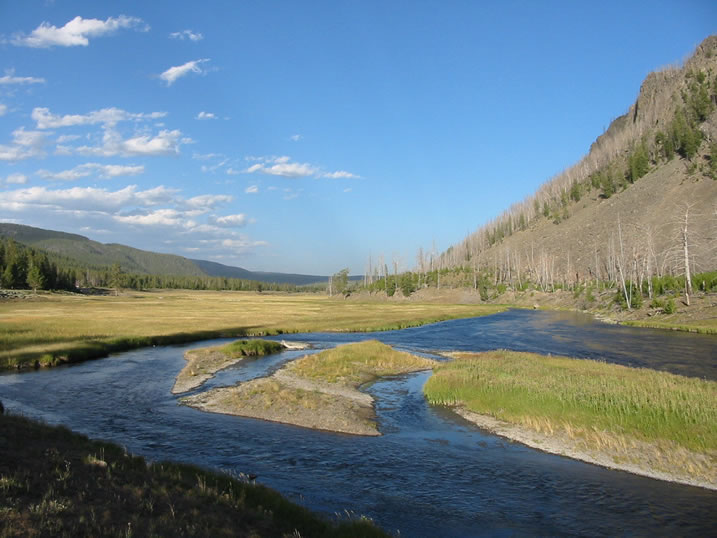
{"x":90,"y":253}
{"x":647,"y":188}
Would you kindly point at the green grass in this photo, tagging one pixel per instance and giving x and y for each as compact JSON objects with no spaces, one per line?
{"x":577,"y":394}
{"x":355,"y":364}
{"x":57,"y":483}
{"x":251,"y":348}
{"x":705,"y":326}
{"x":57,"y":328}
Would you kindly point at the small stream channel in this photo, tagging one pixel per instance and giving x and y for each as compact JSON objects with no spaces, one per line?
{"x":431,"y":473}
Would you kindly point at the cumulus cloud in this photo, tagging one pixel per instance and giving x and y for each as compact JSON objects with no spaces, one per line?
{"x":187,"y":34}
{"x":231,"y":221}
{"x":15,"y":179}
{"x":295,"y":138}
{"x":252,"y":189}
{"x":106,"y":116}
{"x":207,"y":202}
{"x":206,"y":116}
{"x":281,"y":166}
{"x":166,"y":142}
{"x":178,"y":71}
{"x":159,"y":217}
{"x":76,"y":32}
{"x":105,"y":171}
{"x":340,"y":174}
{"x":3,"y":109}
{"x":151,"y":218}
{"x":25,"y":144}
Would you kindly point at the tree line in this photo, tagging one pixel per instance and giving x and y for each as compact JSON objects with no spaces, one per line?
{"x":23,"y":267}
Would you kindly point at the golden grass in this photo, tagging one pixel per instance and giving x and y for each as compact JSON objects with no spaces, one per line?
{"x":59,"y":328}
{"x":355,"y":364}
{"x":635,"y":414}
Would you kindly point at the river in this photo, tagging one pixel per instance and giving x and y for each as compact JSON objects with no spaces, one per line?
{"x":431,"y":473}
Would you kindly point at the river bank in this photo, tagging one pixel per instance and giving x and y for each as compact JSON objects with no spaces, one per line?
{"x":700,"y":316}
{"x":204,"y":363}
{"x":54,"y":482}
{"x":51,"y":329}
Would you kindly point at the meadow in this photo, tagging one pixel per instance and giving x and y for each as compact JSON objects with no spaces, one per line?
{"x":51,"y":329}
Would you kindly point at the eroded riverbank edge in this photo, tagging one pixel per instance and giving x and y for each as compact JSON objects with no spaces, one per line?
{"x":563,"y":445}
{"x":204,"y":363}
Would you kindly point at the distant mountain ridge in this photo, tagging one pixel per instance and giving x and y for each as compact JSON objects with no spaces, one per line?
{"x":132,"y":260}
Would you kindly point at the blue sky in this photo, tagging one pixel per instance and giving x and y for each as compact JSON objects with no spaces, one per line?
{"x":306,"y":136}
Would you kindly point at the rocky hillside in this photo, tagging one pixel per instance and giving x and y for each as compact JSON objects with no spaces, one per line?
{"x":647,"y":188}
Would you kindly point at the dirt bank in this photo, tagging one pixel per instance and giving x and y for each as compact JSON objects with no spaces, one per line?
{"x":563,"y":445}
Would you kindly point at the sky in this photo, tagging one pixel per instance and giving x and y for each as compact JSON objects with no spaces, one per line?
{"x":307,"y":137}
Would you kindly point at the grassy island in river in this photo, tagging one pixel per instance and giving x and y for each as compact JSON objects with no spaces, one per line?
{"x":316,"y":391}
{"x":644,"y":421}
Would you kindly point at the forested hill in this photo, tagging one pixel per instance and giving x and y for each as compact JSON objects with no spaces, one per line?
{"x":85,"y":252}
{"x":642,"y":202}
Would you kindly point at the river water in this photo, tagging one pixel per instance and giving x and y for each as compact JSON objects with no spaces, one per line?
{"x":431,"y":473}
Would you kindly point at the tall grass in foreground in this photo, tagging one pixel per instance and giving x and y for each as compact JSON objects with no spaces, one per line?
{"x":570,"y":394}
{"x":57,"y":483}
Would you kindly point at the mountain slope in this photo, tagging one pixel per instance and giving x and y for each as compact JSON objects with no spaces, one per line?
{"x":93,"y":253}
{"x":132,"y":260}
{"x":624,"y":206}
{"x":218,"y":269}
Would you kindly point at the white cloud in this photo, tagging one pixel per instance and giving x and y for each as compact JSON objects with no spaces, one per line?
{"x":213,"y":167}
{"x":187,"y":34}
{"x":76,"y":32}
{"x":241,"y":243}
{"x":105,"y":171}
{"x":231,"y":221}
{"x":340,"y":174}
{"x":252,"y":189}
{"x":15,"y":179}
{"x":10,"y":78}
{"x":25,"y":144}
{"x":159,"y":217}
{"x":67,"y":138}
{"x":295,"y":138}
{"x":281,"y":166}
{"x":76,"y":198}
{"x":206,"y":202}
{"x":106,"y":116}
{"x":165,"y":143}
{"x":173,"y":73}
{"x":3,"y":109}
{"x":206,"y":156}
{"x":232,"y":172}
{"x":150,"y":219}
{"x":206,"y":116}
